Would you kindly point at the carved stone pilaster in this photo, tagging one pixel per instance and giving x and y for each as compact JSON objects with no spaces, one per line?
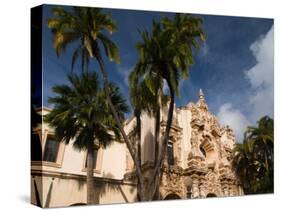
{"x":195,"y":187}
{"x":195,"y":152}
{"x":203,"y":187}
{"x":179,"y":148}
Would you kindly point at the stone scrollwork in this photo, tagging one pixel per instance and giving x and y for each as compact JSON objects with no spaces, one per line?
{"x":172,"y":181}
{"x":213,"y":184}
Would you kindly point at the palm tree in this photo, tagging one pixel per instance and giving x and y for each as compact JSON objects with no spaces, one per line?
{"x":167,"y":54}
{"x":253,"y":160}
{"x":262,"y":138}
{"x":243,"y":164}
{"x":87,"y":28}
{"x":81,"y":113}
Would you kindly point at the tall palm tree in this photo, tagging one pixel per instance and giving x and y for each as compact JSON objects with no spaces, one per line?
{"x":81,"y":113}
{"x":87,"y":28}
{"x":146,"y":95}
{"x":167,"y":53}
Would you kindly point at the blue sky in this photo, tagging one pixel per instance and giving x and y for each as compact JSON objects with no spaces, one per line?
{"x":234,"y":67}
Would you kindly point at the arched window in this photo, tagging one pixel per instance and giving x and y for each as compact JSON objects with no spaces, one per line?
{"x":172,"y":196}
{"x":211,"y":195}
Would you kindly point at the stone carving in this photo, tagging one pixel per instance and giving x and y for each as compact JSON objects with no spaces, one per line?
{"x":203,"y":187}
{"x":209,"y":168}
{"x":172,"y":181}
{"x":213,"y":184}
{"x":195,"y":187}
{"x":206,"y":131}
{"x":195,"y":143}
{"x":179,"y":150}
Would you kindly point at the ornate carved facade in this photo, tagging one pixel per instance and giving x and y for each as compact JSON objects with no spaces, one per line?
{"x":201,"y":151}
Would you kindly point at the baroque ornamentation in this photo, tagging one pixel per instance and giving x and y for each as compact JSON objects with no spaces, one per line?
{"x":172,"y":181}
{"x":207,"y":159}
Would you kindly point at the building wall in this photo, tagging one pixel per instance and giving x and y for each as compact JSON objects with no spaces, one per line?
{"x":67,"y":190}
{"x":64,"y":183}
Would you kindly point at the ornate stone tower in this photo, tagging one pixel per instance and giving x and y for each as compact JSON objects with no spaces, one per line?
{"x":198,"y":158}
{"x":203,"y":165}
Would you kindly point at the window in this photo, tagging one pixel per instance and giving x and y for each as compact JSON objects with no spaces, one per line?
{"x":202,"y":151}
{"x":46,"y":150}
{"x":36,"y":148}
{"x":170,"y":151}
{"x":98,"y":154}
{"x":95,"y":159}
{"x":51,"y":150}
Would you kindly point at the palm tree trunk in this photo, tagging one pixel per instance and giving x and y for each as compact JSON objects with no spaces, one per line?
{"x":249,"y":182}
{"x":137,"y":115}
{"x":130,"y":147}
{"x":156,"y":137}
{"x":90,"y":172}
{"x":156,"y":143}
{"x":165,"y":141}
{"x":156,"y":187}
{"x":266,"y":155}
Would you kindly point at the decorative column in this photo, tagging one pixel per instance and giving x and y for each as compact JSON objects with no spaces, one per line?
{"x":188,"y":187}
{"x":179,"y":149}
{"x":193,"y":142}
{"x":202,"y":188}
{"x":195,"y":187}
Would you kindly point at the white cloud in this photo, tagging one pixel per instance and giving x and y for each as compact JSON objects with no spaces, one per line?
{"x":234,"y":118}
{"x":261,"y":76}
{"x":261,"y":103}
{"x":165,"y":87}
{"x":261,"y":98}
{"x":124,"y":72}
{"x":263,"y":50}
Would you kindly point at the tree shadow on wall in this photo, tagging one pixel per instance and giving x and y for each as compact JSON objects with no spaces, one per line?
{"x":148,"y":147}
{"x":108,"y":184}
